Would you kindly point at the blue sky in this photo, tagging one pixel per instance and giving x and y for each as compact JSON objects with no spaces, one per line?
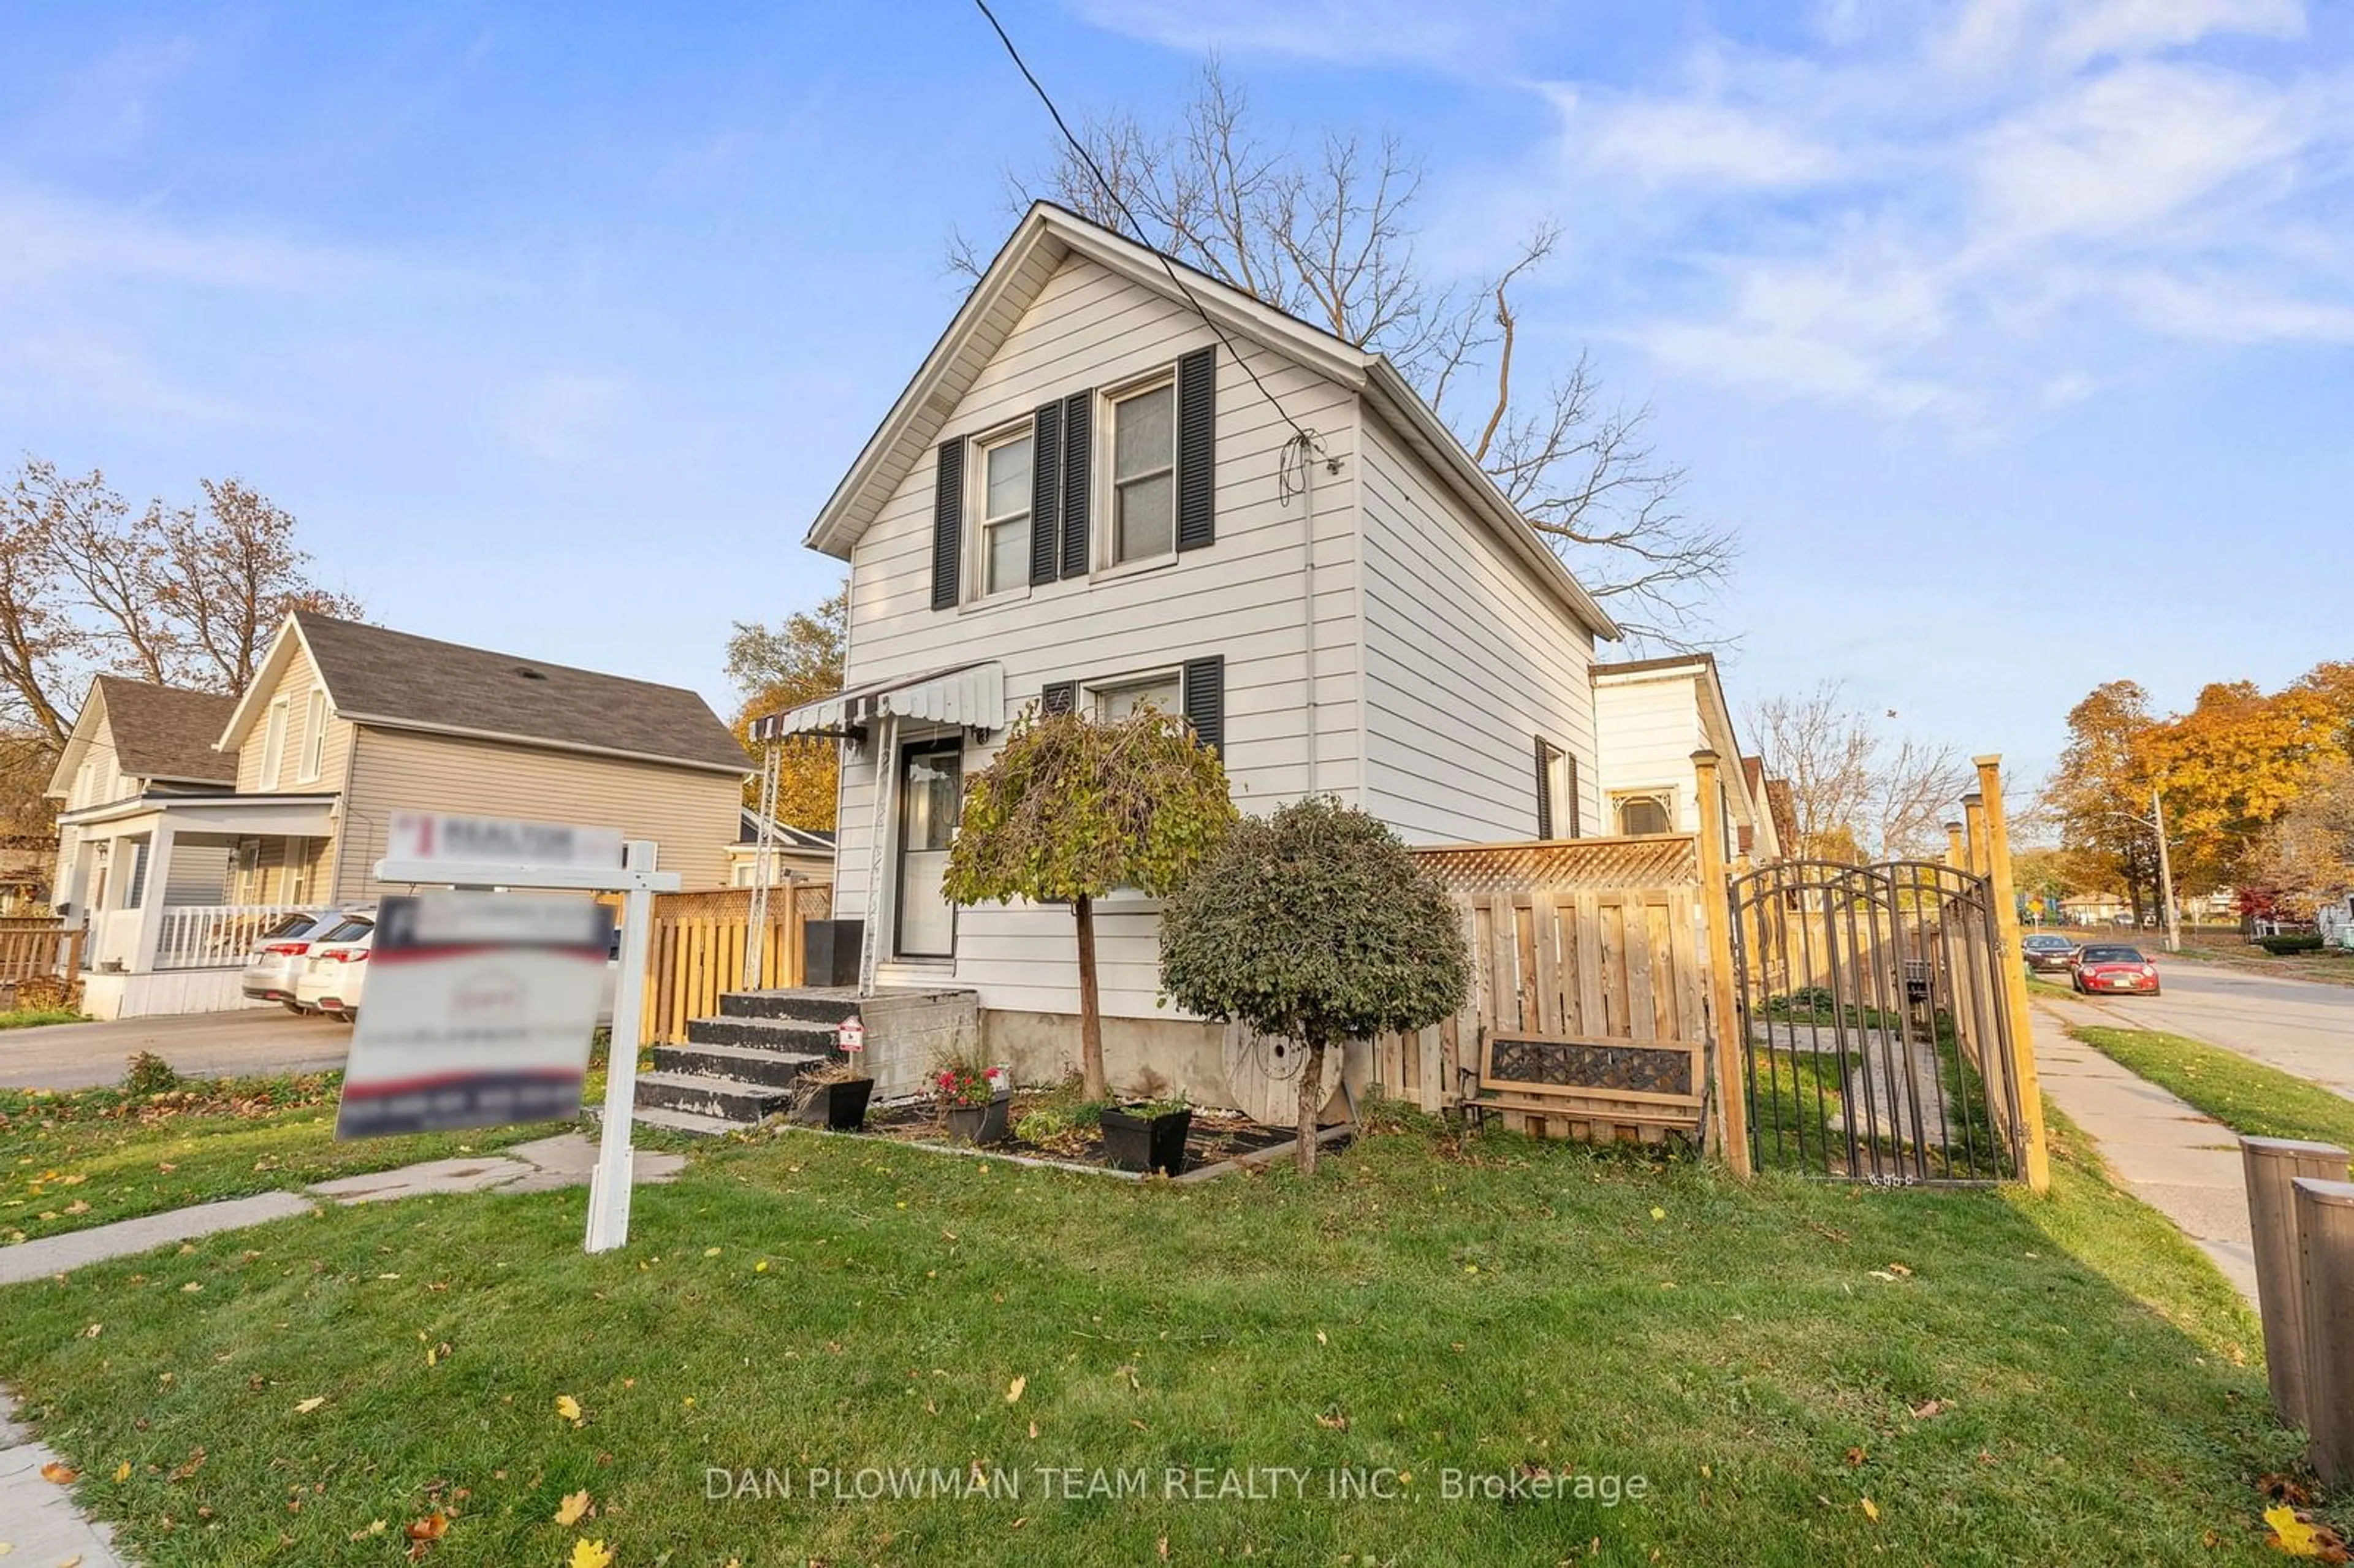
{"x":2017,"y":336}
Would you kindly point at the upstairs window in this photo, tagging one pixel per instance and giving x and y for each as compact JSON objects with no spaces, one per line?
{"x":1144,"y":473}
{"x":1004,"y":544}
{"x":1646,"y":812}
{"x":273,"y":745}
{"x":314,"y":736}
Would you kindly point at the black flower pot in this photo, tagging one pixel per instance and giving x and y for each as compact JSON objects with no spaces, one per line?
{"x":1135,"y":1142}
{"x":841,"y":1105}
{"x":980,"y":1124}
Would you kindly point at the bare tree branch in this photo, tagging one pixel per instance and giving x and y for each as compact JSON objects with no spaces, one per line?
{"x":1853,"y":795}
{"x":1329,"y":237}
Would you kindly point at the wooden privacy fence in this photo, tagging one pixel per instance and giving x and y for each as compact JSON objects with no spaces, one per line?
{"x":1586,"y":1016}
{"x":29,"y":951}
{"x":695,"y":952}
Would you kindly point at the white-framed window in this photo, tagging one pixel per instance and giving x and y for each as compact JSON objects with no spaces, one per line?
{"x":315,"y":734}
{"x":1142,"y":514}
{"x":1644,"y":810}
{"x":1116,"y":700}
{"x":273,"y":745}
{"x":1001,"y":542}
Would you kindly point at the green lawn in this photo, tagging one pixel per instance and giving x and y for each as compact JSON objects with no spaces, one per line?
{"x":2003,"y":1379}
{"x":70,"y":1161}
{"x":28,"y":1017}
{"x":2245,"y":1096}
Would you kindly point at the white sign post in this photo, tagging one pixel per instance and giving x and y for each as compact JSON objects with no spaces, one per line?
{"x":577,"y":860}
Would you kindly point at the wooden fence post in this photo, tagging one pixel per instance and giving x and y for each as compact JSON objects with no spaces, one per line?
{"x":2325,"y":1236}
{"x":2272,"y":1164}
{"x":2011,"y":961}
{"x":1716,"y":899}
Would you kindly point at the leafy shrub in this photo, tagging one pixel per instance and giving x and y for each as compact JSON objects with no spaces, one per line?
{"x":49,"y":993}
{"x":1314,"y":925}
{"x":149,"y":1073}
{"x":2283,"y":946}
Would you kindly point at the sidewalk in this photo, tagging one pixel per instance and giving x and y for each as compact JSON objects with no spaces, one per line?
{"x":39,"y":1525}
{"x":2179,"y":1161}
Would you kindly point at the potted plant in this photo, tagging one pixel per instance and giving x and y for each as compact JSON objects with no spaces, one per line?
{"x":833,"y":1097}
{"x":1148,"y":1137}
{"x":977,"y":1099}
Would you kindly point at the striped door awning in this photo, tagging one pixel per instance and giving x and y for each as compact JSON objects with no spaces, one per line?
{"x":973,"y":695}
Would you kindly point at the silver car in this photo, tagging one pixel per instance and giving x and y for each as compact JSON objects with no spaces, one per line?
{"x":279,"y":954}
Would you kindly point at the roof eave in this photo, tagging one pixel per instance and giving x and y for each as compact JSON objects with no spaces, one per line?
{"x":1406,"y":409}
{"x":461,"y":732}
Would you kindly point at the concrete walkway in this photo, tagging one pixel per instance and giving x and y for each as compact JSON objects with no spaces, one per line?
{"x":2179,"y":1161}
{"x":39,"y":1525}
{"x":564,"y":1161}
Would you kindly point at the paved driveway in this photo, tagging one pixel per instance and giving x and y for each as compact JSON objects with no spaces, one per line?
{"x":200,"y":1045}
{"x":2299,"y":1026}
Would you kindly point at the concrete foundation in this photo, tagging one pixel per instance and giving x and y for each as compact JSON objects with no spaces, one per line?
{"x":1141,"y":1056}
{"x":908,"y":1031}
{"x":112,"y":994}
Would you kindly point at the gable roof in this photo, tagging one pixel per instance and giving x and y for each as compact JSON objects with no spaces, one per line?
{"x":395,"y":679}
{"x":159,"y":732}
{"x":1047,"y":236}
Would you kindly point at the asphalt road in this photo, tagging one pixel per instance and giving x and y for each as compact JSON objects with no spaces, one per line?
{"x":2299,"y":1026}
{"x":200,"y":1045}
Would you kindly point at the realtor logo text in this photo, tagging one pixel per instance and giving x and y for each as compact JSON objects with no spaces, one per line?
{"x":1171,"y":1483}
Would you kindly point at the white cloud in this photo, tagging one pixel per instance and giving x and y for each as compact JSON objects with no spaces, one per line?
{"x":1333,"y":32}
{"x":1663,"y":142}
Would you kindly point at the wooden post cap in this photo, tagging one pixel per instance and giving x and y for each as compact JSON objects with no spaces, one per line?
{"x":2286,"y":1147}
{"x":2335,"y":1194}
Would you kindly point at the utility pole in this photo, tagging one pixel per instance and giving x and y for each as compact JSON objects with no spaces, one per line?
{"x":2165,"y":873}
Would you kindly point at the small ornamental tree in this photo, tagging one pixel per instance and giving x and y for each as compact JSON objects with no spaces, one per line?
{"x":1317,"y":925}
{"x":1071,"y":809}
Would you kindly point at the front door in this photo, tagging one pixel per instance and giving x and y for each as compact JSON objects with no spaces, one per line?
{"x":932,"y":785}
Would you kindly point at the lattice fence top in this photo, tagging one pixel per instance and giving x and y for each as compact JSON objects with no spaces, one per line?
{"x":1659,"y":860}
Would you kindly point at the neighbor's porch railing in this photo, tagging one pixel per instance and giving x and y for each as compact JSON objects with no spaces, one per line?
{"x":217,"y":936}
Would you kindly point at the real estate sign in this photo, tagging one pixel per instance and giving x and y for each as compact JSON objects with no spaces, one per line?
{"x":479,"y":1009}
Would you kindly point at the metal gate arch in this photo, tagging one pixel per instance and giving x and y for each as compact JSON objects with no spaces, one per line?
{"x":1873,"y":1029}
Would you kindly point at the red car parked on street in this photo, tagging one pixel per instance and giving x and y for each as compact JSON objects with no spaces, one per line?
{"x":2097,"y":968}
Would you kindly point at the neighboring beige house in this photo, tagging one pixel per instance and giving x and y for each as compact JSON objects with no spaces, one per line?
{"x":343,"y":725}
{"x":1650,"y":717}
{"x":131,"y":741}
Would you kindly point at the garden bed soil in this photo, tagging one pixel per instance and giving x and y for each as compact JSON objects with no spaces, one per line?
{"x":1215,"y":1135}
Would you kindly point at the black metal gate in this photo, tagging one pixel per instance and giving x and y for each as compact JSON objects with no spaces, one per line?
{"x":1874,"y":1023}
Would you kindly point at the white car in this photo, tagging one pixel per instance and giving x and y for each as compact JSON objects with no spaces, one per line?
{"x":336,"y":971}
{"x":280,"y":953}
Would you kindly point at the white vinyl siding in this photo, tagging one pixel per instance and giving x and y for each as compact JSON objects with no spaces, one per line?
{"x":1240,"y":598}
{"x":1649,"y":730}
{"x":1467,"y":658}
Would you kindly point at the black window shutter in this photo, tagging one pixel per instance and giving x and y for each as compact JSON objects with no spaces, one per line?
{"x":1205,"y":700}
{"x":948,"y":524}
{"x":1570,"y":772}
{"x":1544,"y":790}
{"x":1079,"y":454}
{"x":1197,"y":444}
{"x":1045,"y":491}
{"x":1058,"y":698}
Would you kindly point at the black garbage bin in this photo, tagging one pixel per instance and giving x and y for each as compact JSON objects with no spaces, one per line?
{"x":830,"y":951}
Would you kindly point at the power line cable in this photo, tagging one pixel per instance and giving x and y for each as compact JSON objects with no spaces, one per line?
{"x":1136,"y":228}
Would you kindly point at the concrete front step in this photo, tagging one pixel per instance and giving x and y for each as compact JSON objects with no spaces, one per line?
{"x":828,"y":1005}
{"x":748,"y":1064}
{"x":731,"y":1100}
{"x":795,"y":1036}
{"x":687,"y":1122}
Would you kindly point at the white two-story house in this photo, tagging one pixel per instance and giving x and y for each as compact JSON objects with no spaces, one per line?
{"x":1090,"y":494}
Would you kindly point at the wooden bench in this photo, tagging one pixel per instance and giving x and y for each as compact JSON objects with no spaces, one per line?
{"x":1602,"y":1090}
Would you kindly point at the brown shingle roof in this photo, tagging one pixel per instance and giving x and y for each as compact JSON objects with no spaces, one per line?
{"x":163,"y":732}
{"x":395,"y":679}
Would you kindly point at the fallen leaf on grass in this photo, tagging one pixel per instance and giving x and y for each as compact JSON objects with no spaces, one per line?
{"x":63,"y":1475}
{"x":2283,"y":1489}
{"x":2295,"y":1536}
{"x":573,"y":1508}
{"x":1013,"y":1390}
{"x":310,"y":1404}
{"x":432,"y":1527}
{"x":1928,"y":1407}
{"x":569,"y":1408}
{"x":122,"y":1472}
{"x":1854,"y":1457}
{"x":196,"y":1461}
{"x":1333,"y":1420}
{"x":1872,"y":1511}
{"x":93,"y":1331}
{"x":589,"y":1554}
